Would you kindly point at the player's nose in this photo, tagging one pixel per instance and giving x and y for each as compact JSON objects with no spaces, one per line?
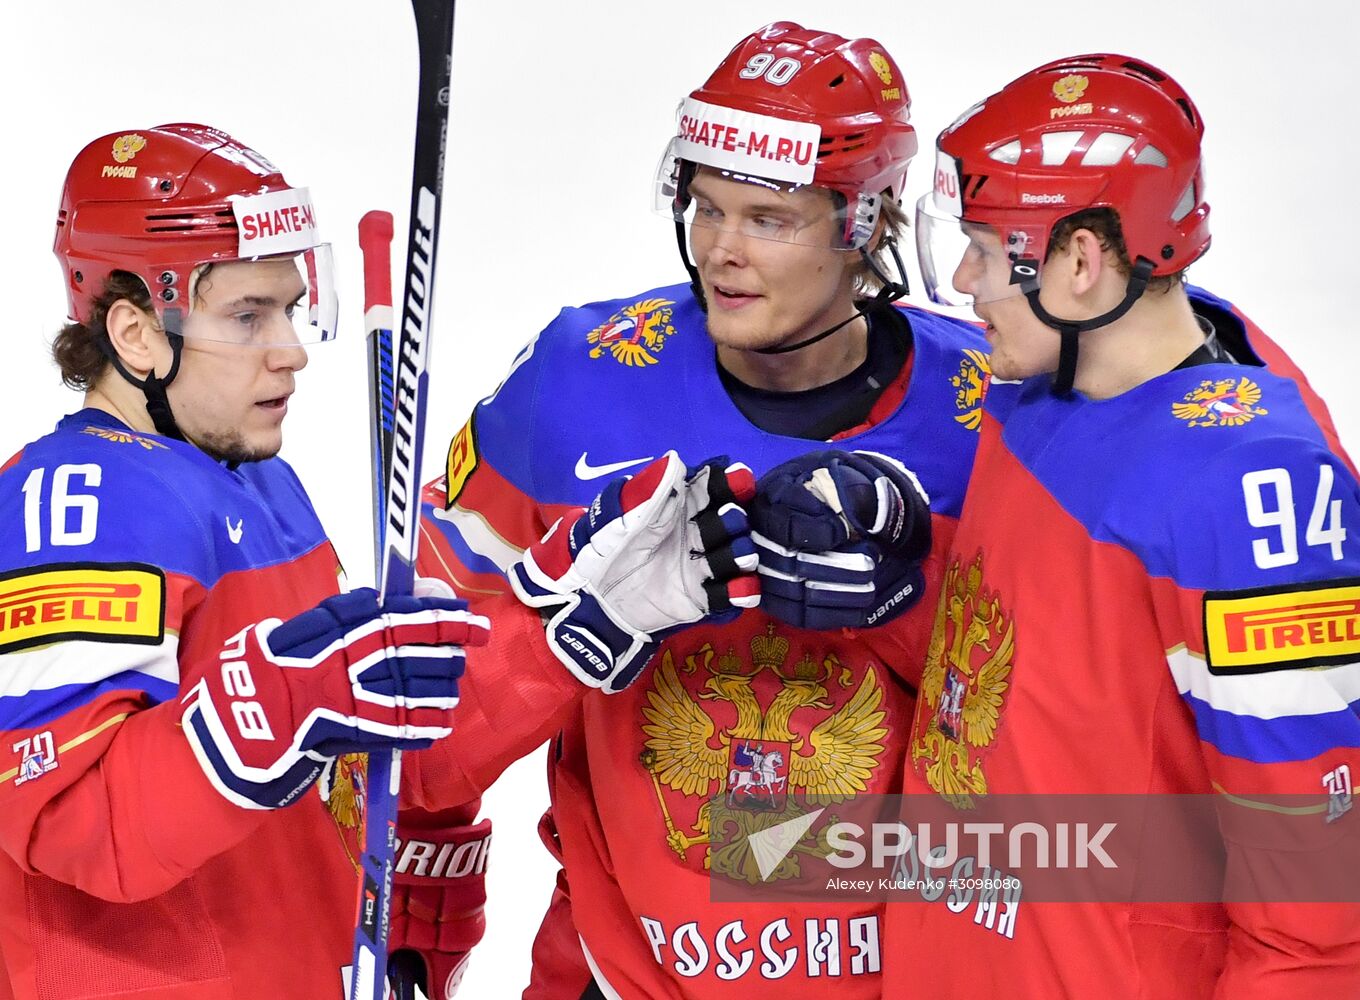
{"x":966,"y":277}
{"x":286,"y":357}
{"x":728,"y":246}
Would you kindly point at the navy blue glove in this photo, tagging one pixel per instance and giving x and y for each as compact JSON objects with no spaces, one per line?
{"x":841,"y":536}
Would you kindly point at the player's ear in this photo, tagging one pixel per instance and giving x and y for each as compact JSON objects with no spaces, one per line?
{"x":133,"y":332}
{"x":1085,"y":261}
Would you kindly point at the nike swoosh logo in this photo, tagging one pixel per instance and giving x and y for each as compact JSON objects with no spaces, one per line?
{"x":586,"y":472}
{"x":234,"y":531}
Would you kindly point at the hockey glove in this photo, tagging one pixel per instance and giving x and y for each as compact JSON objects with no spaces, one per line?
{"x":652,"y":554}
{"x":438,"y":895}
{"x":841,"y":537}
{"x":348,"y":676}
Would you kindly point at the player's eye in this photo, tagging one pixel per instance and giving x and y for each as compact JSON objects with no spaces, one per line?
{"x":774,"y":225}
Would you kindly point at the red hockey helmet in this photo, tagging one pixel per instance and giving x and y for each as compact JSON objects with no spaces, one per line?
{"x":161,"y":202}
{"x":1084,"y":132}
{"x":790,"y":107}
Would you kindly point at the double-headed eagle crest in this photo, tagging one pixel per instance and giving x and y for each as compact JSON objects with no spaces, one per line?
{"x":126,"y":147}
{"x":968,"y":666}
{"x":687,"y":752}
{"x":344,"y":788}
{"x":1070,"y":88}
{"x":970,"y":385}
{"x":1226,"y":402}
{"x":122,"y":437}
{"x":635,"y":334}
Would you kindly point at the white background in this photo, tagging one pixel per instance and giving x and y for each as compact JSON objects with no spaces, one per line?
{"x":560,"y":111}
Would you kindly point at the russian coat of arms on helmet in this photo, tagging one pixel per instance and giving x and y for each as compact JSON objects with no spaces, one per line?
{"x":125,"y":147}
{"x":882,"y":67}
{"x":1225,"y":402}
{"x":963,"y":688}
{"x":1070,"y":88}
{"x":634,"y":335}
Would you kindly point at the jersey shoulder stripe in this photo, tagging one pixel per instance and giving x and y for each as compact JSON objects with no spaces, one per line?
{"x":41,"y":707}
{"x":1275,"y":740}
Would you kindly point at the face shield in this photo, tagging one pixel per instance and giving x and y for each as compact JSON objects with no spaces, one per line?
{"x":968,"y":261}
{"x":278,"y":292}
{"x":738,"y":174}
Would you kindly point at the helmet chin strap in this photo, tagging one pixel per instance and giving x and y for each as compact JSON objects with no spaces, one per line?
{"x":889,"y":293}
{"x":1069,"y":330}
{"x":695,"y":285}
{"x":153,"y":386}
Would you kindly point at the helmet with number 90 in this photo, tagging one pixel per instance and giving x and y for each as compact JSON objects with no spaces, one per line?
{"x":790,"y":109}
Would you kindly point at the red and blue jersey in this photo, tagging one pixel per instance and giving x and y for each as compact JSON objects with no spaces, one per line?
{"x":127,"y":560}
{"x":602,"y":390}
{"x":1156,"y":593}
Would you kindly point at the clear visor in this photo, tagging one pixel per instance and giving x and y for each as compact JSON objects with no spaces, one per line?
{"x":277,"y":301}
{"x":963,"y":263}
{"x":712,"y":201}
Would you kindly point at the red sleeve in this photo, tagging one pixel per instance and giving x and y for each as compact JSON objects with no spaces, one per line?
{"x":1273,"y":952}
{"x":126,"y":813}
{"x":475,"y":522}
{"x":514,"y":695}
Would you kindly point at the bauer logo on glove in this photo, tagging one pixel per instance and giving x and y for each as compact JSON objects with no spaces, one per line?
{"x":841,"y":537}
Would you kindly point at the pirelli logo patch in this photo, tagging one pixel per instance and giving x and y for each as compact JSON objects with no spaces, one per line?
{"x":462,"y":462}
{"x":1282,"y":628}
{"x":110,"y":602}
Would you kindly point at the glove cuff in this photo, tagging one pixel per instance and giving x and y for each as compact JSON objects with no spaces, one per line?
{"x":581,"y":633}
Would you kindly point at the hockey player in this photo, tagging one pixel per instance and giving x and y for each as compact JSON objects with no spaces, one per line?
{"x":783,"y":182}
{"x":184,"y":691}
{"x":1143,"y":483}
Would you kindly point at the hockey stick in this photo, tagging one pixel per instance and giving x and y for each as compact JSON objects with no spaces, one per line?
{"x":401,"y":505}
{"x":375,"y":243}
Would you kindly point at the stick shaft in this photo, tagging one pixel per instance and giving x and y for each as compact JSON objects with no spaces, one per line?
{"x":400,"y":507}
